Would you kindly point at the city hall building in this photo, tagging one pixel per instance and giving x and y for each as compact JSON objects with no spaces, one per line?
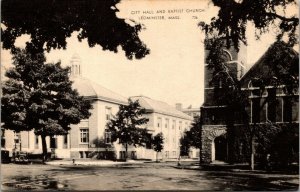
{"x":169,"y":121}
{"x":90,"y":138}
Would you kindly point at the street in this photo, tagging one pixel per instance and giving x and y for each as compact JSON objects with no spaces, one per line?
{"x":147,"y":176}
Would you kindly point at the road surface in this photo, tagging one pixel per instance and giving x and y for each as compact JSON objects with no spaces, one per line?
{"x":147,"y":176}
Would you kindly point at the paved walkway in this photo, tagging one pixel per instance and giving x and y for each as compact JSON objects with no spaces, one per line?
{"x":91,"y":162}
{"x":98,"y":162}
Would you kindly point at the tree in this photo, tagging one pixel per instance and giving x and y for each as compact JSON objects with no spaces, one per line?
{"x":39,"y":96}
{"x":50,"y":23}
{"x":192,"y":137}
{"x":157,"y":142}
{"x":234,"y":15}
{"x":127,"y":126}
{"x":185,"y":144}
{"x":195,"y":132}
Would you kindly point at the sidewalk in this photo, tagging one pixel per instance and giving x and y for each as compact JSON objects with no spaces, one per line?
{"x":234,"y":168}
{"x":92,"y":162}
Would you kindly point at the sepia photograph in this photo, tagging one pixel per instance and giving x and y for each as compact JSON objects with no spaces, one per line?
{"x":160,"y":95}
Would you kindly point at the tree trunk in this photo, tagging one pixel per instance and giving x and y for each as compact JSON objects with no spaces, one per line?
{"x":156,"y":156}
{"x":44,"y":146}
{"x":252,"y":152}
{"x":126,"y":155}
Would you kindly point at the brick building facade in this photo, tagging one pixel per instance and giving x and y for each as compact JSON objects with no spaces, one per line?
{"x":268,"y":104}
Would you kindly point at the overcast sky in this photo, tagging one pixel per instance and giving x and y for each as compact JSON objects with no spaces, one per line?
{"x":173,"y":72}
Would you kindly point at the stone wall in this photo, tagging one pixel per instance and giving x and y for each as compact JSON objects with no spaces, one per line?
{"x":209,"y":133}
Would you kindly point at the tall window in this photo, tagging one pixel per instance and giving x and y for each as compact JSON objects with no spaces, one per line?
{"x":65,"y":142}
{"x":167,"y":123}
{"x":53,"y":142}
{"x":174,"y":153}
{"x":107,"y":113}
{"x":107,"y":136}
{"x":174,"y":124}
{"x":17,"y":137}
{"x":167,"y":154}
{"x":2,"y":138}
{"x":287,"y":109}
{"x":148,"y":143}
{"x":180,"y":125}
{"x":36,"y":142}
{"x":159,"y":122}
{"x":255,"y":110}
{"x":84,"y":135}
{"x":272,"y":105}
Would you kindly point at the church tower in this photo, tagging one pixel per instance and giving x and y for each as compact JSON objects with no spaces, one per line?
{"x":75,"y":64}
{"x":215,"y":140}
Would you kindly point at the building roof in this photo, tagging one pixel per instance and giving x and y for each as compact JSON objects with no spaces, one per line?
{"x":191,"y":110}
{"x":152,"y":105}
{"x":88,"y":88}
{"x":264,"y":69}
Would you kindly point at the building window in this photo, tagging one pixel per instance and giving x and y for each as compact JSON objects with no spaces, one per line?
{"x":65,"y":141}
{"x":107,"y":136}
{"x":174,"y":124}
{"x":256,"y":92}
{"x":180,"y":125}
{"x":36,"y":142}
{"x":17,"y":137}
{"x":167,"y":154}
{"x":256,"y":110}
{"x":167,"y":123}
{"x":2,"y":138}
{"x":148,"y":143}
{"x":84,"y":135}
{"x":272,"y":105}
{"x":53,"y":142}
{"x":2,"y":132}
{"x":107,"y":113}
{"x":287,"y":109}
{"x":174,"y":153}
{"x":158,"y":122}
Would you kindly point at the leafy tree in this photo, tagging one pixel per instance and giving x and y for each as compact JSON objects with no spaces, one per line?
{"x":127,"y":125}
{"x":195,"y":132}
{"x":192,"y":137}
{"x":50,"y":23}
{"x":285,"y":148}
{"x":39,"y":96}
{"x":233,"y":17}
{"x":185,"y":144}
{"x":157,"y":142}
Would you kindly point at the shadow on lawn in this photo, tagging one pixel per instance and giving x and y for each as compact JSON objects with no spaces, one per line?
{"x":253,"y":181}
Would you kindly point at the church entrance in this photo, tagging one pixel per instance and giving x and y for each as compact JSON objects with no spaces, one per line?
{"x":220,"y":148}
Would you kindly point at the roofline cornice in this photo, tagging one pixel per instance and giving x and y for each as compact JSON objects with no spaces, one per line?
{"x":168,"y":114}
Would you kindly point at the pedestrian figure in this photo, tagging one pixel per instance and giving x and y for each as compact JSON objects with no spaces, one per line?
{"x":179,"y":164}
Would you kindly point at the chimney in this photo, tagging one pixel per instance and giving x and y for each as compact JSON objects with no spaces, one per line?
{"x":178,"y":106}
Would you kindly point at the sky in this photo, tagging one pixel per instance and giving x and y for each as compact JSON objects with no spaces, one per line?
{"x":173,"y":72}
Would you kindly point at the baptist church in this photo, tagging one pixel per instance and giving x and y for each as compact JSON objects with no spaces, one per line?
{"x":271,"y":104}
